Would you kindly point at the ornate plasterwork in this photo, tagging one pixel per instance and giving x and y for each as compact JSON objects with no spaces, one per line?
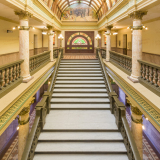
{"x":138,"y":14}
{"x":17,"y":107}
{"x":23,"y":14}
{"x":136,"y":111}
{"x":143,"y":105}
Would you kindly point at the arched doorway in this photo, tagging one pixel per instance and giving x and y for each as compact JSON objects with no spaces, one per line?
{"x":79,"y":42}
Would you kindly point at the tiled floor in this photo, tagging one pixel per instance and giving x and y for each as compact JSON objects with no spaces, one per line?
{"x":79,"y":56}
{"x":12,"y":153}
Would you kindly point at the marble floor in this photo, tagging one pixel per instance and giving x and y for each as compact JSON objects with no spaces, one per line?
{"x":12,"y":153}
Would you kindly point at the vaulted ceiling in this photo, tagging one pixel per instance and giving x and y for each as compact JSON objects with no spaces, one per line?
{"x":100,"y":6}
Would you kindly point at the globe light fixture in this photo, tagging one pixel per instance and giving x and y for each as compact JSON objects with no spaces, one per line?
{"x":61,"y":38}
{"x":97,"y":38}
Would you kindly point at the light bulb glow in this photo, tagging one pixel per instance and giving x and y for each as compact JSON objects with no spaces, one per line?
{"x":18,"y":27}
{"x":44,"y":33}
{"x":60,"y":36}
{"x":115,"y":33}
{"x":143,"y":127}
{"x":147,"y":119}
{"x":127,"y":27}
{"x":17,"y":128}
{"x":98,"y":36}
{"x":146,"y":28}
{"x":14,"y":28}
{"x":33,"y":28}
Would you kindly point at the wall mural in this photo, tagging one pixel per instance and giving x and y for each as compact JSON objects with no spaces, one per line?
{"x":46,"y":2}
{"x":79,"y":12}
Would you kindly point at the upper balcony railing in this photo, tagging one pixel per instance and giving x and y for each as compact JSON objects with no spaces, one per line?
{"x":10,"y":74}
{"x":150,"y":73}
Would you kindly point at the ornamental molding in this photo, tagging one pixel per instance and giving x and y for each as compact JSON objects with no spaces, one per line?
{"x":138,"y":14}
{"x":23,"y":15}
{"x":11,"y":113}
{"x":135,"y":110}
{"x":147,"y":109}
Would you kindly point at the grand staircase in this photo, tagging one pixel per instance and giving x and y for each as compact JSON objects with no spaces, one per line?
{"x":80,"y":125}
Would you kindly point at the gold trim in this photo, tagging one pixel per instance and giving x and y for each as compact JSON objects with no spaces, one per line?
{"x":24,"y":28}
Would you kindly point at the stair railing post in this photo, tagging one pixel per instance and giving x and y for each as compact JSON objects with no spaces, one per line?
{"x":112,"y":101}
{"x":48,"y":98}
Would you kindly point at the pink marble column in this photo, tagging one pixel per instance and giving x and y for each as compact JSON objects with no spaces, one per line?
{"x":136,"y":128}
{"x":108,"y":43}
{"x":136,"y":44}
{"x":24,"y":43}
{"x":50,"y":41}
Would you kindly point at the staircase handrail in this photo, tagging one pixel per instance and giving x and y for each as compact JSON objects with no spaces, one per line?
{"x":118,"y":109}
{"x":42,"y":109}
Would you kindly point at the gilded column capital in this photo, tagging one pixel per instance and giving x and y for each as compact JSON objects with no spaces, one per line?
{"x":23,"y":15}
{"x":50,"y":27}
{"x":138,"y":14}
{"x":136,"y":111}
{"x":109,"y":27}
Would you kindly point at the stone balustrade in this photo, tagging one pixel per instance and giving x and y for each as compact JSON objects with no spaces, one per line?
{"x":37,"y":61}
{"x":122,"y":61}
{"x":150,"y":76}
{"x":10,"y":75}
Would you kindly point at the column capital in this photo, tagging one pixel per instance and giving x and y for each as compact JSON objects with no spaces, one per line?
{"x":136,"y":110}
{"x":23,"y":15}
{"x":138,"y":14}
{"x":50,"y":27}
{"x":109,"y":27}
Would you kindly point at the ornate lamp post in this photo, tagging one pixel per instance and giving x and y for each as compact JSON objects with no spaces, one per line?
{"x":97,"y":38}
{"x":61,"y":38}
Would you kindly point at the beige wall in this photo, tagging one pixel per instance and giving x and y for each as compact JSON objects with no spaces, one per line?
{"x":151,"y":38}
{"x":9,"y":42}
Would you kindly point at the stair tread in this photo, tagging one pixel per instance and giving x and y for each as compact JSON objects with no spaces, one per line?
{"x":80,"y":105}
{"x":79,"y":95}
{"x":79,"y":85}
{"x":82,"y":75}
{"x":80,"y":82}
{"x":80,"y":119}
{"x":81,"y":146}
{"x":79,"y":100}
{"x":79,"y":90}
{"x":79,"y":63}
{"x":80,"y":157}
{"x":80,"y":136}
{"x":83,"y":78}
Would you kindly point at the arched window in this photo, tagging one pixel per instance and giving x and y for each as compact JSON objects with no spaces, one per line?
{"x":79,"y":41}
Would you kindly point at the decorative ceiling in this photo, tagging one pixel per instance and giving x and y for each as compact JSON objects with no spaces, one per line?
{"x":99,"y":6}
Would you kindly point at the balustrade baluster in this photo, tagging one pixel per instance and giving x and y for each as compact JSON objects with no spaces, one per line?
{"x":148,"y":74}
{"x":156,"y":77}
{"x":16,"y":71}
{"x":10,"y":75}
{"x":13,"y":73}
{"x":144,"y":72}
{"x":141,"y":71}
{"x":19,"y":70}
{"x":1,"y":79}
{"x":151,"y":76}
{"x":5,"y":77}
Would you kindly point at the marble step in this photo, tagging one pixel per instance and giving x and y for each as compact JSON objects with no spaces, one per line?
{"x":79,"y":66}
{"x":79,"y":75}
{"x":81,"y":157}
{"x":79,"y":86}
{"x":80,"y":72}
{"x":80,"y":120}
{"x":79,"y":82}
{"x":81,"y":136}
{"x":79,"y":60}
{"x":79,"y":69}
{"x":80,"y":106}
{"x":81,"y":147}
{"x":79,"y":63}
{"x":80,"y":95}
{"x":80,"y":78}
{"x":80,"y":100}
{"x":64,"y":90}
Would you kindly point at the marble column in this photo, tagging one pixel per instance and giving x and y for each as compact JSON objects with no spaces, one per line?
{"x":136,"y":44}
{"x":136,"y":128}
{"x":108,"y":46}
{"x":50,"y":41}
{"x":24,"y":43}
{"x":23,"y":128}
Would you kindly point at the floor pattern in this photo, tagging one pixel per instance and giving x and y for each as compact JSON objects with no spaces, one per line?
{"x":79,"y":57}
{"x":12,"y":153}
